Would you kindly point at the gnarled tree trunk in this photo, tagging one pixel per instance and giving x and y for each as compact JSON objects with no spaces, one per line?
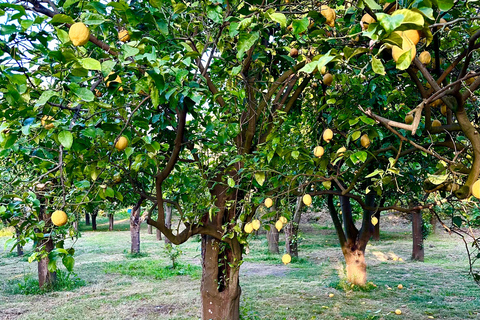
{"x":291,"y":230}
{"x":220,"y":287}
{"x":417,"y":252}
{"x":110,"y":222}
{"x":273,"y":237}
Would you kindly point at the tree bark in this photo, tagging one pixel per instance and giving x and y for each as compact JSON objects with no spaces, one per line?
{"x":220,"y":287}
{"x":19,"y":246}
{"x":110,"y":222}
{"x":417,"y":252}
{"x":273,"y":237}
{"x":433,"y":222}
{"x":168,"y":219}
{"x":135,"y":225}
{"x":149,"y":229}
{"x":46,"y":279}
{"x":159,"y":235}
{"x":291,"y":230}
{"x":87,"y":219}
{"x":94,"y":220}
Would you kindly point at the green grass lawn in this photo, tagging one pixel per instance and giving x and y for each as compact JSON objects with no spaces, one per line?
{"x":119,"y":286}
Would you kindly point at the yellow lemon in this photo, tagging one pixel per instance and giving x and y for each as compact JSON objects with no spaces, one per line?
{"x":398,"y":311}
{"x":366,"y":20}
{"x":329,"y":15}
{"x":331,"y":295}
{"x":476,"y":189}
{"x":278,"y":225}
{"x":408,"y":118}
{"x":365,"y":141}
{"x":328,"y":135}
{"x":436,"y":123}
{"x":256,"y":224}
{"x":294,"y":52}
{"x":327,"y":184}
{"x":46,"y":122}
{"x":443,"y":109}
{"x":59,"y":218}
{"x":407,"y":45}
{"x":374,"y":221}
{"x":327,"y":79}
{"x":425,"y":57}
{"x":123,"y":35}
{"x":413,"y":35}
{"x":248,"y":228}
{"x":400,"y":286}
{"x":307,"y":199}
{"x":121,"y":144}
{"x":79,"y":34}
{"x":286,"y":259}
{"x":283,"y":219}
{"x":268,"y":202}
{"x":341,"y":151}
{"x":318,"y":151}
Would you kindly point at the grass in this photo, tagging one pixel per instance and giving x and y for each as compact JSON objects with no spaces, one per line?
{"x":121,"y":286}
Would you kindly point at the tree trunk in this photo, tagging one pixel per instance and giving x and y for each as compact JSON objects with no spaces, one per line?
{"x":273,"y":237}
{"x":168,"y":219}
{"x":376,"y":228}
{"x":149,"y":229}
{"x":220,"y":293}
{"x":356,"y":265}
{"x":75,"y":225}
{"x":87,"y":219}
{"x":46,"y":279}
{"x":94,"y":221}
{"x":19,"y":246}
{"x":135,"y":224}
{"x":291,"y":230}
{"x":417,"y":252}
{"x":110,"y":222}
{"x":159,"y":235}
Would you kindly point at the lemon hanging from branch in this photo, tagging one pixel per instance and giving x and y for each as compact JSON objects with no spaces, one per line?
{"x":79,"y":34}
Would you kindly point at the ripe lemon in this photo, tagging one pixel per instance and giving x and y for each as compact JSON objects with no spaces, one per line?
{"x":268,"y":202}
{"x":413,"y":35}
{"x":59,"y":218}
{"x":283,"y":219}
{"x":436,"y":123}
{"x":408,"y":118}
{"x":443,"y":109}
{"x":400,"y":286}
{"x":329,"y":15}
{"x":121,"y":144}
{"x":392,"y":9}
{"x":331,"y":295}
{"x":476,"y":189}
{"x":286,"y":259}
{"x":323,"y":70}
{"x":79,"y":34}
{"x":46,"y":122}
{"x":248,"y":228}
{"x":374,"y":221}
{"x":365,"y":141}
{"x":328,"y":135}
{"x":341,"y":151}
{"x":293,"y":52}
{"x":318,"y":151}
{"x":123,"y":35}
{"x":278,"y":225}
{"x":407,"y":45}
{"x":425,"y":57}
{"x":398,"y":311}
{"x":256,"y":224}
{"x":366,"y":20}
{"x":307,"y":199}
{"x":327,"y":79}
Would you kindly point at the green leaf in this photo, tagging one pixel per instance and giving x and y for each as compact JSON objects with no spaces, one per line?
{"x":444,"y":5}
{"x":68,"y":262}
{"x":68,"y":3}
{"x":356,"y":134}
{"x":82,"y":93}
{"x":411,"y":19}
{"x":62,"y":35}
{"x":91,"y":64}
{"x":129,"y":51}
{"x":94,"y":19}
{"x":46,"y":95}
{"x":279,"y":17}
{"x":245,"y":42}
{"x":62,"y":18}
{"x":109,"y":192}
{"x":377,"y":66}
{"x":405,"y":60}
{"x":374,"y":173}
{"x":388,"y":22}
{"x":295,"y":154}
{"x":457,"y":220}
{"x":66,"y":139}
{"x":300,"y":26}
{"x":372,"y":4}
{"x":359,"y":156}
{"x":437,"y":179}
{"x":260,"y":177}
{"x":231,"y":182}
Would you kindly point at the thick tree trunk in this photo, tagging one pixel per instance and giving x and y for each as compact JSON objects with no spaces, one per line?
{"x":87,"y":219}
{"x":417,"y":252}
{"x":94,"y":221}
{"x":110,"y":222}
{"x":168,"y":219}
{"x":159,"y":235}
{"x":135,"y":224}
{"x":356,"y":266}
{"x":149,"y":229}
{"x":291,"y":230}
{"x":273,"y":237}
{"x":19,"y":246}
{"x":220,"y":287}
{"x":46,"y":278}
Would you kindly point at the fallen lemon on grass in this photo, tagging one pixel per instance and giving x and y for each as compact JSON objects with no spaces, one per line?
{"x":121,"y":144}
{"x":331,"y":295}
{"x":79,"y":34}
{"x":398,"y":311}
{"x":286,"y":259}
{"x":59,"y":218}
{"x":400,"y":286}
{"x":268,"y":202}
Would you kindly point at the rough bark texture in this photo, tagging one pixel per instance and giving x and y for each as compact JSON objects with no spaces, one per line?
{"x":94,"y":221}
{"x":291,"y":230}
{"x":433,"y":222}
{"x":417,"y":252}
{"x":110,"y":222}
{"x":46,"y":278}
{"x":87,"y":219}
{"x":149,"y":229}
{"x":19,"y":246}
{"x":168,"y":219}
{"x":219,"y":301}
{"x":273,"y":237}
{"x":135,"y":224}
{"x":159,"y":235}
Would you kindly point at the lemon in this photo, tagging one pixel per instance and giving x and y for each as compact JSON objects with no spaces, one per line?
{"x":323,"y":70}
{"x":327,"y":79}
{"x":123,"y":35}
{"x":328,"y":135}
{"x":366,"y":20}
{"x":425,"y":57}
{"x":248,"y":228}
{"x":46,"y":122}
{"x":374,"y":221}
{"x":331,"y":295}
{"x":278,"y":225}
{"x":283,"y":219}
{"x":79,"y":34}
{"x":307,"y":199}
{"x":294,"y":53}
{"x":407,"y":45}
{"x":59,"y":218}
{"x":329,"y":15}
{"x":476,"y":189}
{"x":256,"y":224}
{"x":327,"y":184}
{"x":318,"y":151}
{"x":398,"y":311}
{"x":436,"y":123}
{"x":341,"y":151}
{"x":286,"y":259}
{"x":117,"y":80}
{"x":408,"y":118}
{"x":443,"y":109}
{"x":268,"y":202}
{"x":400,"y":286}
{"x":413,"y":35}
{"x":121,"y":144}
{"x":365,"y":141}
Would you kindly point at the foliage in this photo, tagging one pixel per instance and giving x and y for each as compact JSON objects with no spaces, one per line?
{"x":151,"y":269}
